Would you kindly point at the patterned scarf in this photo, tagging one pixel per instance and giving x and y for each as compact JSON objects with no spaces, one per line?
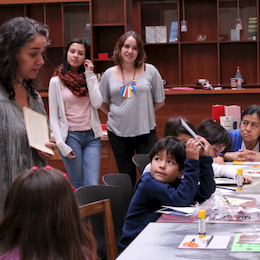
{"x":74,"y":81}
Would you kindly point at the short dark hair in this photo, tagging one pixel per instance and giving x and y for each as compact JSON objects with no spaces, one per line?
{"x":174,"y":127}
{"x":65,"y":64}
{"x":42,"y":218}
{"x":174,"y":147}
{"x":14,"y":35}
{"x":215,"y":133}
{"x":251,"y":110}
{"x":141,"y":58}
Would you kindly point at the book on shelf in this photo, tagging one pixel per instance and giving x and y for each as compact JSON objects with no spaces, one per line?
{"x":252,"y":29}
{"x":161,"y":34}
{"x":156,"y":34}
{"x":150,"y":35}
{"x":174,"y":32}
{"x":86,"y":36}
{"x":235,"y":35}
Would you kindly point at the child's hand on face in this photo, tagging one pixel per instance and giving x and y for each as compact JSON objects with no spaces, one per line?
{"x":207,"y":145}
{"x":193,"y":149}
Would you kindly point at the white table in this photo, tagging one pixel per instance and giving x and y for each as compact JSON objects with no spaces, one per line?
{"x":160,"y":241}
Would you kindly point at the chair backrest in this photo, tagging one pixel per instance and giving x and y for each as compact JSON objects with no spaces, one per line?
{"x":123,"y":181}
{"x":141,"y":160}
{"x":104,"y":207}
{"x":92,"y":193}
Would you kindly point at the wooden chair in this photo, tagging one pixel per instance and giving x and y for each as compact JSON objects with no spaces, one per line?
{"x":141,"y":160}
{"x":92,"y":193}
{"x":104,"y":207}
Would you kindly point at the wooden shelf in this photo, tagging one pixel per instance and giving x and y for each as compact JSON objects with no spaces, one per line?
{"x":212,"y":92}
{"x":180,"y":63}
{"x":200,"y":92}
{"x":185,"y":61}
{"x":108,"y":24}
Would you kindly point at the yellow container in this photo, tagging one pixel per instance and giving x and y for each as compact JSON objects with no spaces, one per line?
{"x":202,"y":223}
{"x":239,"y":179}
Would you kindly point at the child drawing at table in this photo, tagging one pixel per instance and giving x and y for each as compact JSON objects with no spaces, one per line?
{"x":215,"y":134}
{"x":221,"y":142}
{"x":172,"y":181}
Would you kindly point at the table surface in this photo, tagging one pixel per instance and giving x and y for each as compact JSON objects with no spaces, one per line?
{"x":161,"y":240}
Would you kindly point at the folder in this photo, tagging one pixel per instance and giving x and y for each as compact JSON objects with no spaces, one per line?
{"x":233,"y":111}
{"x":217,"y":111}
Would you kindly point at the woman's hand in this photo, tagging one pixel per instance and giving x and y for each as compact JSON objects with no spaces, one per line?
{"x":47,"y":156}
{"x":88,"y":65}
{"x":231,"y":156}
{"x":71,"y":155}
{"x":246,"y":155}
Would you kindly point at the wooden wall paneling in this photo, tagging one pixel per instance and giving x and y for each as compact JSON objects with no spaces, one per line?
{"x":165,"y":58}
{"x":54,"y":19}
{"x":201,"y":19}
{"x":238,"y":54}
{"x":128,"y":15}
{"x":196,"y":107}
{"x":102,"y":65}
{"x":35,"y":12}
{"x":107,"y":12}
{"x":199,"y":61}
{"x":136,"y":17}
{"x":54,"y":59}
{"x":76,"y":15}
{"x":8,"y":12}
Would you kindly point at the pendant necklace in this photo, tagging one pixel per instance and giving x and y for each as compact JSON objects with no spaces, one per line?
{"x":128,"y":89}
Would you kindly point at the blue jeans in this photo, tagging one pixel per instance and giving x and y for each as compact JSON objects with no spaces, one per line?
{"x":84,"y":169}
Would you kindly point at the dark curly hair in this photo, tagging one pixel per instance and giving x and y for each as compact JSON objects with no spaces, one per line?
{"x":14,"y":35}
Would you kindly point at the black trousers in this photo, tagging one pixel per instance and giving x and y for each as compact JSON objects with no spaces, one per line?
{"x":124,"y":149}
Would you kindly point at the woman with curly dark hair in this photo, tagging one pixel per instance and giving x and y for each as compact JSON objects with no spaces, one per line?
{"x":42,"y":220}
{"x":22,"y":46}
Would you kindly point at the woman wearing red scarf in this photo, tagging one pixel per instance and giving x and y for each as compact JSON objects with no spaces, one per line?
{"x":74,"y":98}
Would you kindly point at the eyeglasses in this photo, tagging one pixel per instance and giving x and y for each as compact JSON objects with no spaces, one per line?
{"x":218,"y":149}
{"x":215,"y":151}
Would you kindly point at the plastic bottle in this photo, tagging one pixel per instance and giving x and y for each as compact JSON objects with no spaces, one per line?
{"x":202,"y":223}
{"x":238,"y":76}
{"x":239,"y":179}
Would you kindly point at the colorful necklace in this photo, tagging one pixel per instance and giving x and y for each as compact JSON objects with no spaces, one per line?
{"x":128,"y":89}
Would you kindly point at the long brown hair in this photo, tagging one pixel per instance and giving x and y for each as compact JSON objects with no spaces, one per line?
{"x":42,"y":219}
{"x":141,"y":58}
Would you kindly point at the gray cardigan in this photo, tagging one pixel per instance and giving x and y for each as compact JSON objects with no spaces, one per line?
{"x":58,"y":118}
